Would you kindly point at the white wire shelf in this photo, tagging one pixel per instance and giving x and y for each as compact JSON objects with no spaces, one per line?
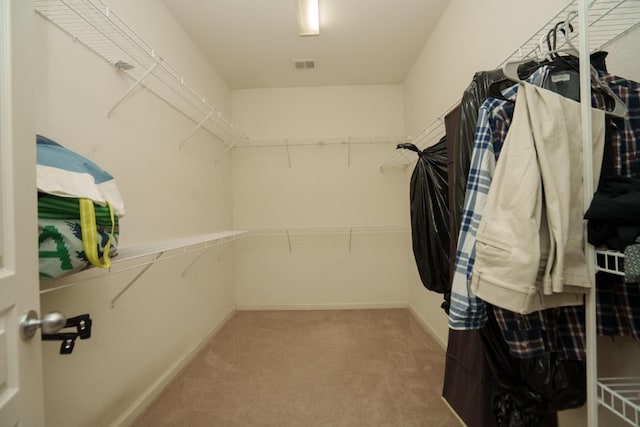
{"x":183,"y":245}
{"x":381,"y":229}
{"x":622,"y":397}
{"x":291,"y":232}
{"x":144,"y":257}
{"x":426,"y":138}
{"x":346,"y":142}
{"x":608,"y":21}
{"x":309,"y":142}
{"x":99,"y":28}
{"x":609,"y":261}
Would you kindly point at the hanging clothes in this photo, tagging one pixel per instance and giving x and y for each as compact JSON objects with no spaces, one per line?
{"x":494,"y":119}
{"x":529,"y":251}
{"x":527,"y":334}
{"x":562,"y":330}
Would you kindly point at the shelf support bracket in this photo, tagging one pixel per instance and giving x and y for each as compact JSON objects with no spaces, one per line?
{"x":349,"y":152}
{"x":350,"y":235}
{"x":289,"y":240}
{"x":224,"y":254}
{"x":286,"y":144}
{"x":224,"y":153}
{"x":195,"y":129}
{"x":135,"y":279}
{"x":132,"y":88}
{"x":195,"y":261}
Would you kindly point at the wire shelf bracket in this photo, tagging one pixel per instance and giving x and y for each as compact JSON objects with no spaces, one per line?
{"x":133,"y":87}
{"x":147,"y":255}
{"x":96,"y":26}
{"x":290,"y":232}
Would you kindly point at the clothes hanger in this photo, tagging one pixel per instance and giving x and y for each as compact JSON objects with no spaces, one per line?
{"x":619,"y":107}
{"x":510,"y":69}
{"x":495,"y":89}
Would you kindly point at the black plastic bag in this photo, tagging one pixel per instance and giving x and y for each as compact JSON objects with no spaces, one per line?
{"x":430,"y":216}
{"x":530,"y":390}
{"x":562,"y":384}
{"x":516,"y":406}
{"x":515,"y":403}
{"x":546,"y":385}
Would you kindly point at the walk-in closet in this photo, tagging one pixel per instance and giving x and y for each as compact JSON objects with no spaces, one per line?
{"x":405,"y":214}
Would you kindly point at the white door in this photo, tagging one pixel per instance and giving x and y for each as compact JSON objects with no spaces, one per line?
{"x":21,"y":398}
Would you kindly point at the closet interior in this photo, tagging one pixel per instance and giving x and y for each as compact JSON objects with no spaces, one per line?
{"x":299,"y":201}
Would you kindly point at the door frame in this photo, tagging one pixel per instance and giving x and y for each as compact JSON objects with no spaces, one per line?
{"x":21,"y":374}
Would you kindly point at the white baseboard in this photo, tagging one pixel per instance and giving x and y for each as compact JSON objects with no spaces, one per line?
{"x":336,"y":306}
{"x":455,"y":414}
{"x":140,"y":404}
{"x":427,"y":327}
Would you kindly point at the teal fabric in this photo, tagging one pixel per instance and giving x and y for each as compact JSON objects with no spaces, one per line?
{"x":50,"y":153}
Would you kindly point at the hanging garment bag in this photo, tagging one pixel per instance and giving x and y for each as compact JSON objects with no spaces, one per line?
{"x":430,"y":215}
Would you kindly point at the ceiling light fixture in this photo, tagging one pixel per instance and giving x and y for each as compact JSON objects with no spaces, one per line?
{"x":308,"y":17}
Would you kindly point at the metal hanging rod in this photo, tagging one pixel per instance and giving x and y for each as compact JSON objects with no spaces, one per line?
{"x":99,"y":28}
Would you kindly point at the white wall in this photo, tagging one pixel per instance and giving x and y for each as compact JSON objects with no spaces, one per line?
{"x":168,"y":192}
{"x":136,"y":342}
{"x":320,"y":189}
{"x":470,"y":36}
{"x":474,"y":36}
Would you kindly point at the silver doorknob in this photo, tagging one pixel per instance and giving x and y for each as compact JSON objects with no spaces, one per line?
{"x":50,"y":324}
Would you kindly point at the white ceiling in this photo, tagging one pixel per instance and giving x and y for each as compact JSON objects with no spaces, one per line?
{"x":253,"y":43}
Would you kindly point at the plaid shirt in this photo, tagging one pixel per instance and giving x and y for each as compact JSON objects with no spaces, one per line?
{"x":558,"y":329}
{"x":562,"y":330}
{"x":625,"y":135}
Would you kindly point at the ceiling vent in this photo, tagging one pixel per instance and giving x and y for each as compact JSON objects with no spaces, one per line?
{"x":304,"y":64}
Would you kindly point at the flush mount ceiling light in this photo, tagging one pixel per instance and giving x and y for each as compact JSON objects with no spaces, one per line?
{"x":308,"y":17}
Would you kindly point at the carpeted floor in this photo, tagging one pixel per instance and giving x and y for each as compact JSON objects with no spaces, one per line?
{"x":310,"y":368}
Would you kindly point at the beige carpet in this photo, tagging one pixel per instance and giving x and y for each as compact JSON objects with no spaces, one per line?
{"x":310,"y":368}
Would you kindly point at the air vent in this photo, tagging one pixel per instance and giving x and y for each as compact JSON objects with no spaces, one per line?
{"x":304,"y":64}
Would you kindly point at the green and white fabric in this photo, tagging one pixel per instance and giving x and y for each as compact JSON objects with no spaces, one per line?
{"x":78,"y":209}
{"x":71,"y":239}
